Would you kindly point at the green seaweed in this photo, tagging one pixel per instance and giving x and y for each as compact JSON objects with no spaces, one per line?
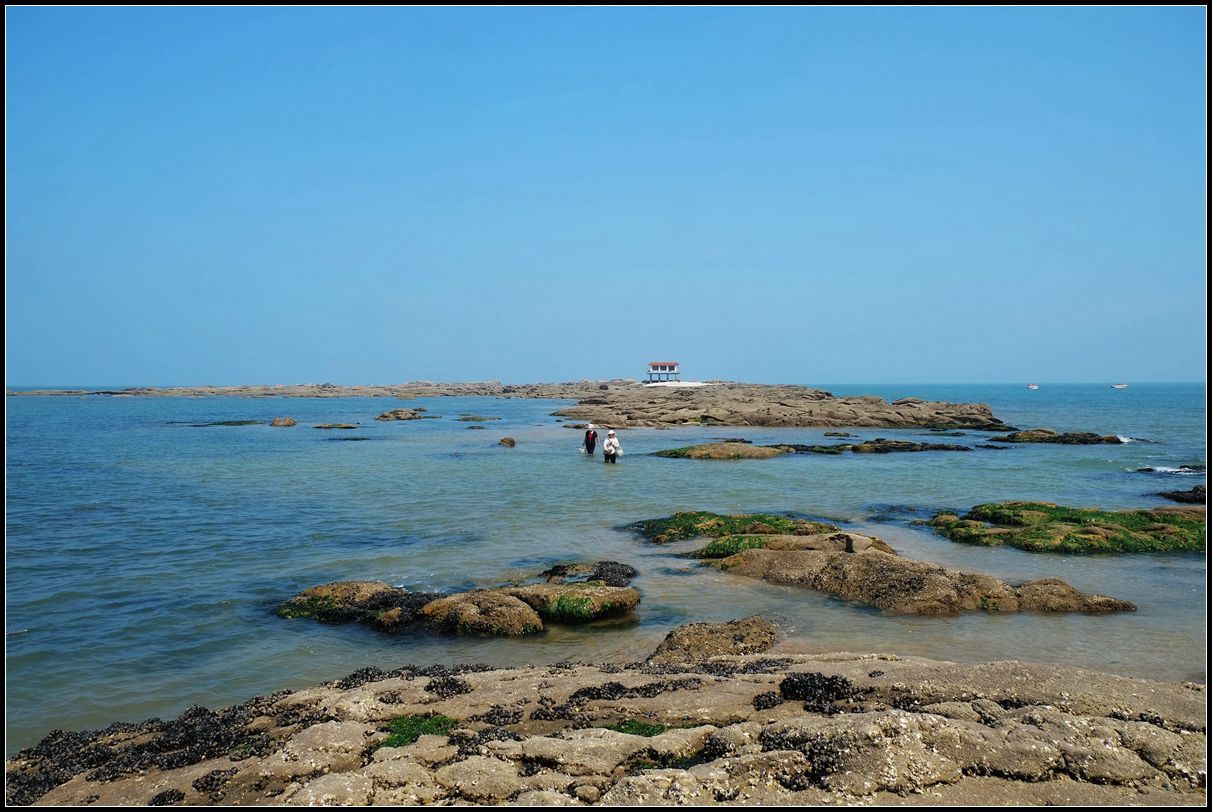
{"x":730,"y":545}
{"x":714,"y":525}
{"x":407,"y":729}
{"x":1044,"y":527}
{"x":319,"y":608}
{"x":569,"y":607}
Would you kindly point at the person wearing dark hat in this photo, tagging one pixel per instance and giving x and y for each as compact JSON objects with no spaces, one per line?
{"x":611,"y":448}
{"x":591,"y":440}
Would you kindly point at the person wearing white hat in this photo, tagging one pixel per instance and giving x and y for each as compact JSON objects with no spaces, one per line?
{"x":611,"y":448}
{"x":591,"y":440}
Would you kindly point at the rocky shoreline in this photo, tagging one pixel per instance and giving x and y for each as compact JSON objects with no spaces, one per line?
{"x":690,"y":725}
{"x":627,"y":404}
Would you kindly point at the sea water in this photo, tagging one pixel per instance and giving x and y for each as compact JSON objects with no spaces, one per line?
{"x":146,"y":555}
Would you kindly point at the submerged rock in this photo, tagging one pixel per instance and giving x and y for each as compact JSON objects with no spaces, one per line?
{"x":474,"y":418}
{"x":695,"y":642}
{"x":284,"y":421}
{"x":1196,"y":496}
{"x":722,"y":451}
{"x":904,"y":586}
{"x":1050,"y":436}
{"x":1045,"y":527}
{"x":611,"y":573}
{"x":337,"y":426}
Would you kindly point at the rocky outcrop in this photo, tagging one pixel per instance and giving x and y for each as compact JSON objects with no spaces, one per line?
{"x":879,"y":445}
{"x":513,"y":610}
{"x":870,"y":729}
{"x":401,"y":414}
{"x":903,"y":586}
{"x":838,"y":542}
{"x":508,"y":442}
{"x":722,"y":451}
{"x":577,"y":603}
{"x":734,"y":404}
{"x":1050,"y":436}
{"x":484,"y":613}
{"x":1196,"y":496}
{"x":1045,"y":527}
{"x":691,"y":524}
{"x":695,"y":642}
{"x":284,"y":422}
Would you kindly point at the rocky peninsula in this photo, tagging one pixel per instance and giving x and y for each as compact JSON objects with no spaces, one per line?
{"x":691,"y":725}
{"x":628,"y":404}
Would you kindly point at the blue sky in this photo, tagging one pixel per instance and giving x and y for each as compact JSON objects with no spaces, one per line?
{"x":233,"y":195}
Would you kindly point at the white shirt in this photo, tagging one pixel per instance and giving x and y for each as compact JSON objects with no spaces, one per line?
{"x":611,"y":446}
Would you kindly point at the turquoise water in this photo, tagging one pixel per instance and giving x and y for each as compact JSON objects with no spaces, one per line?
{"x":145,"y":557}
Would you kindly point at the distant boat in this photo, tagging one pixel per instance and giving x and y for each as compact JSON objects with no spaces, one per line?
{"x":1033,"y":386}
{"x":1119,"y":386}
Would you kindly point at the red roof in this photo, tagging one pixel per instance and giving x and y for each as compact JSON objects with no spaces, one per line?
{"x":662,"y":363}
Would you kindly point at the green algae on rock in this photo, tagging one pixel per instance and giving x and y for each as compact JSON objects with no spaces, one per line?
{"x":840,"y":542}
{"x":689,"y":524}
{"x":1045,"y":527}
{"x":1067,"y":438}
{"x":722,"y":451}
{"x":577,"y":603}
{"x":407,"y":729}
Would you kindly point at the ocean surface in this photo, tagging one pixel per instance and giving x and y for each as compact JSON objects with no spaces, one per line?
{"x":145,"y":556}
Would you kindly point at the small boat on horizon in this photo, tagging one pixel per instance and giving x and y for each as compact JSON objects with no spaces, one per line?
{"x":1119,"y":386}
{"x":1033,"y":386}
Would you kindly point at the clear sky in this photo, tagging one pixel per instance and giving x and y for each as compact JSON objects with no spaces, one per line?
{"x":233,"y":195}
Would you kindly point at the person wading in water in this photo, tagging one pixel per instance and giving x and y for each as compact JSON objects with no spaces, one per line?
{"x":591,"y":440}
{"x":611,"y":448}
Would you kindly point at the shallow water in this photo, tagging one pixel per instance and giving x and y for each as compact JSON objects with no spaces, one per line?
{"x":145,"y":556}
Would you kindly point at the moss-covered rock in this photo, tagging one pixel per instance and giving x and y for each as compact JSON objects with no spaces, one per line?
{"x":1045,"y":527}
{"x":840,"y":542}
{"x":722,"y":451}
{"x":373,"y":603}
{"x":1050,"y":436}
{"x":577,"y":603}
{"x":714,"y":525}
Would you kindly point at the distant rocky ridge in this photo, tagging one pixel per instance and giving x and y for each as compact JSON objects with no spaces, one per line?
{"x":626,"y":404}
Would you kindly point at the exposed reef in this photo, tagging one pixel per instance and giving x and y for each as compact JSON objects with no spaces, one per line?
{"x":1045,"y":527}
{"x":700,"y":729}
{"x":1067,"y":438}
{"x":855,"y":567}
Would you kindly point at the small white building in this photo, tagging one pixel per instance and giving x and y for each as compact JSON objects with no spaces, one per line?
{"x":663,"y":371}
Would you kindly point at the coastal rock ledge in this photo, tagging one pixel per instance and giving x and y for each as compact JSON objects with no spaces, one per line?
{"x":763,"y":729}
